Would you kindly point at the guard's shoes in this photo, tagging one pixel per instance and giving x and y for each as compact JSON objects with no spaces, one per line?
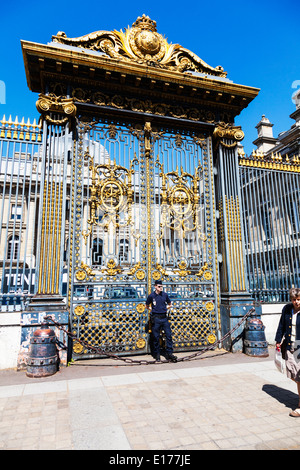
{"x":157,"y":358}
{"x":171,"y":357}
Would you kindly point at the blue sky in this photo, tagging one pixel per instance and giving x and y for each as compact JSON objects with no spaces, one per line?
{"x":257,"y":43}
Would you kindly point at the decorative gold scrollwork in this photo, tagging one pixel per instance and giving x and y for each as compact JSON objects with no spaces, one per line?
{"x":209,"y":306}
{"x":79,"y":310}
{"x":80,"y":274}
{"x":111,"y":193}
{"x":139,"y":273}
{"x":141,"y":43}
{"x":211,"y":338}
{"x":227,"y":131}
{"x":77,"y":347}
{"x":112,"y":268}
{"x":182,"y":271}
{"x":56,"y":104}
{"x":156,"y":275}
{"x":141,"y":343}
{"x":140,"y":308}
{"x":84,"y":271}
{"x":204,"y":271}
{"x":159,"y":273}
{"x":179,"y":201}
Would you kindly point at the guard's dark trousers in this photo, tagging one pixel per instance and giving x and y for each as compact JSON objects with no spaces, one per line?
{"x":161,"y":323}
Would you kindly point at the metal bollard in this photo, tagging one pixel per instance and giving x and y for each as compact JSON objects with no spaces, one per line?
{"x":42,"y":358}
{"x":255,"y":343}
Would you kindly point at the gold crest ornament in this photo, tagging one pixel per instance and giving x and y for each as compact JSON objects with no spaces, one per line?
{"x":142,"y":44}
{"x":79,"y":310}
{"x":77,"y":348}
{"x":80,"y":275}
{"x":209,"y":306}
{"x":211,"y":339}
{"x":140,"y":308}
{"x":141,"y":343}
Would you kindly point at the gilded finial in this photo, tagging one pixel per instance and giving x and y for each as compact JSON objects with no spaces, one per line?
{"x":144,"y":22}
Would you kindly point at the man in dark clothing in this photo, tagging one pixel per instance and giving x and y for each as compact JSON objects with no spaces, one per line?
{"x":160,"y":303}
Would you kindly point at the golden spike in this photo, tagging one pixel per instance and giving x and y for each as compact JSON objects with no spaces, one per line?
{"x":9,"y":122}
{"x":22,"y":124}
{"x":3,"y":122}
{"x":27,"y":135}
{"x":40,"y":130}
{"x":16,"y":123}
{"x":34,"y":126}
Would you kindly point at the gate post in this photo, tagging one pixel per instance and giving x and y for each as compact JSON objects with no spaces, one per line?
{"x":236,"y":300}
{"x":48,"y":298}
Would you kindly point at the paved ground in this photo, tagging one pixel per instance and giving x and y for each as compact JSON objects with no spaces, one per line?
{"x":218,"y":401}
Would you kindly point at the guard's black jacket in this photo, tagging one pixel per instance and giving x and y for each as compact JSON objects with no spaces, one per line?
{"x":285,"y":326}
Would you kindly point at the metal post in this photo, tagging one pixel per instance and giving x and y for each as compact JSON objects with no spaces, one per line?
{"x":235,"y":297}
{"x":48,"y":298}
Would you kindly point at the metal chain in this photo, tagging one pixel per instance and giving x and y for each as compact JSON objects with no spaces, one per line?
{"x":143,"y":361}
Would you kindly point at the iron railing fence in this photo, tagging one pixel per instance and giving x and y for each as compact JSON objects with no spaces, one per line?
{"x":270,"y":204}
{"x":269,"y":190}
{"x":20,"y":176}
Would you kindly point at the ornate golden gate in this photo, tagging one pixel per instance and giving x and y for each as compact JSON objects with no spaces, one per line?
{"x":143,"y":210}
{"x":145,"y":132}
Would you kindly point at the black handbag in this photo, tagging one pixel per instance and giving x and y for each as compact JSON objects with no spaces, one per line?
{"x":283,"y":348}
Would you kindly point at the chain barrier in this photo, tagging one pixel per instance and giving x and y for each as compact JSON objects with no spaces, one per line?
{"x":128,"y":360}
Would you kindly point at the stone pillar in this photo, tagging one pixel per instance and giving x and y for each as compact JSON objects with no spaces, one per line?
{"x":235,"y":298}
{"x":48,"y":299}
{"x":265,"y":140}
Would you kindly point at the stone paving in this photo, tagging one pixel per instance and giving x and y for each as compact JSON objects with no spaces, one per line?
{"x":225,"y":401}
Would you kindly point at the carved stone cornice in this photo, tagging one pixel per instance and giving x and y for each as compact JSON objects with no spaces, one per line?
{"x":58,"y":105}
{"x":139,"y":105}
{"x":142,"y":44}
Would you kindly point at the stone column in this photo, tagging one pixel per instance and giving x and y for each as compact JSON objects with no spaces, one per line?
{"x":236,"y":300}
{"x":48,"y":300}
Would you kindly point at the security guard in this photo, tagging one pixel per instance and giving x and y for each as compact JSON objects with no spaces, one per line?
{"x":289,"y":329}
{"x":160,"y":302}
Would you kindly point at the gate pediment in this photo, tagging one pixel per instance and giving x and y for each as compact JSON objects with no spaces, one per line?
{"x":143,"y":44}
{"x":136,"y":71}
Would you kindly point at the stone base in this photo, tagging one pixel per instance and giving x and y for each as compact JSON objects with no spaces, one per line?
{"x":233,"y":309}
{"x":33,"y":317}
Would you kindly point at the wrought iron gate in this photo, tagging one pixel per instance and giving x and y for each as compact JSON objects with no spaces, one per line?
{"x":20,"y":179}
{"x":142,"y":209}
{"x":270,"y":200}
